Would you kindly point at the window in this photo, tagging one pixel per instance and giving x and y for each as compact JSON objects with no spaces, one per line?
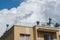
{"x":48,"y":37}
{"x":24,"y":37}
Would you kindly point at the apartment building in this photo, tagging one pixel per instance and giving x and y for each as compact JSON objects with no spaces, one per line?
{"x":17,"y":32}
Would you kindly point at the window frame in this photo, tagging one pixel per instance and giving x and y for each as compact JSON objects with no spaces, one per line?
{"x":50,"y":37}
{"x":25,"y":36}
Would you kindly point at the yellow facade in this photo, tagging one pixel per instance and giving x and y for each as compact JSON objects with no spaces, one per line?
{"x":9,"y":35}
{"x":35,"y":33}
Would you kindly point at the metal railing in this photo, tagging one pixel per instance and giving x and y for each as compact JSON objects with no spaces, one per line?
{"x":33,"y":24}
{"x":25,"y":24}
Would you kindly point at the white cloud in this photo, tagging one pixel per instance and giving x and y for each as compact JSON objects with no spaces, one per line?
{"x":31,"y":11}
{"x":13,"y":11}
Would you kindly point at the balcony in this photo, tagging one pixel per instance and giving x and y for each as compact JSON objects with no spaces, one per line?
{"x":47,"y":29}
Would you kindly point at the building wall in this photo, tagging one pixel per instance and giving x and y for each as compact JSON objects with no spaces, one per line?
{"x":58,"y":34}
{"x":55,"y":34}
{"x":14,"y":33}
{"x":9,"y":35}
{"x":22,"y":30}
{"x":59,"y":31}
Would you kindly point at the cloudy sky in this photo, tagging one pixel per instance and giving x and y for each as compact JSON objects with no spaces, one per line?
{"x":30,"y":11}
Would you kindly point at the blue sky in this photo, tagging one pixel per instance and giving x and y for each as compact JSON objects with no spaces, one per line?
{"x":9,"y":4}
